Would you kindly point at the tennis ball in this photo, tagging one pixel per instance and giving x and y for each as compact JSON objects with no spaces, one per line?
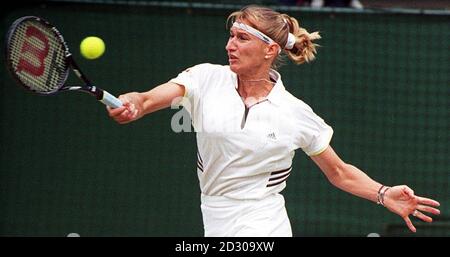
{"x":92,"y":47}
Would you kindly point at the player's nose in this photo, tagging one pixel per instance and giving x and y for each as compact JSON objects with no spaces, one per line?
{"x":230,"y":46}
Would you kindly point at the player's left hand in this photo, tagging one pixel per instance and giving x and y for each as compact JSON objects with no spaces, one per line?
{"x":402,"y":201}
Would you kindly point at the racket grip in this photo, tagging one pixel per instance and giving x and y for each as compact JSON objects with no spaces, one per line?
{"x":110,"y":100}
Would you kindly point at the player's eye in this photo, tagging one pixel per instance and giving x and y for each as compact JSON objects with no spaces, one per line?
{"x":239,"y":36}
{"x":243,"y":37}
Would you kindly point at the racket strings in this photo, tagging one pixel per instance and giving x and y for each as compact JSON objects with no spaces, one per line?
{"x":38,"y":61}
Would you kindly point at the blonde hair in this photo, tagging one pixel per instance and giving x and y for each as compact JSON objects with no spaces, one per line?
{"x":278,"y":26}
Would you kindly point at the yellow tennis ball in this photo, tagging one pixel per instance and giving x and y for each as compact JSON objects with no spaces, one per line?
{"x":92,"y":47}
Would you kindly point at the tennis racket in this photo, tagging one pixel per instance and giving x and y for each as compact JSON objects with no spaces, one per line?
{"x":39,"y":60}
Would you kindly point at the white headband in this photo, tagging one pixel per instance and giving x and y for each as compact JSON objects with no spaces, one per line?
{"x":289,"y":44}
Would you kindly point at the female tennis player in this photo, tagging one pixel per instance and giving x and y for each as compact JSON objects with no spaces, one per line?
{"x":248,"y":127}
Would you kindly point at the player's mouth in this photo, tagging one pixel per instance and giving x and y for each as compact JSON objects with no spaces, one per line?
{"x":232,"y":58}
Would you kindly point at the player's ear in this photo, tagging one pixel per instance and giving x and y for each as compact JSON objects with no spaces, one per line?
{"x":271,"y":51}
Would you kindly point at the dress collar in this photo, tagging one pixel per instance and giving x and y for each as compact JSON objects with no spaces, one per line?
{"x":275,"y":95}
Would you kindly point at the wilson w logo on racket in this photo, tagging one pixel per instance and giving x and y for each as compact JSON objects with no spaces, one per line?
{"x":37,"y":51}
{"x":39,"y":59}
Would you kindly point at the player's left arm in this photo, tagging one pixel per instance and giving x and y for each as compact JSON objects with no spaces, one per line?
{"x":398,"y":199}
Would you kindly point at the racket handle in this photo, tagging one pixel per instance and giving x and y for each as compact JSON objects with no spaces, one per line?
{"x":110,"y":100}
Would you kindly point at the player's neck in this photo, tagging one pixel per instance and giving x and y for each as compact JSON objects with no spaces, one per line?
{"x":254,"y":89}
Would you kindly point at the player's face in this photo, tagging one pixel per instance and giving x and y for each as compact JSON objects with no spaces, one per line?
{"x":245,"y":51}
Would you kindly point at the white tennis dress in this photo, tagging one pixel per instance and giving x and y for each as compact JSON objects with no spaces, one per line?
{"x":245,"y":154}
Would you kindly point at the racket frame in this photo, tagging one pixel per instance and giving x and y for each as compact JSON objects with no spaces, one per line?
{"x":70,"y":63}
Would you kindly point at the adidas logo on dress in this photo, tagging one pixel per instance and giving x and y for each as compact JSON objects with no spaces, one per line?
{"x":272,"y":136}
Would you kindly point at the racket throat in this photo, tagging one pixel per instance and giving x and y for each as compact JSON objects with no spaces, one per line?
{"x":92,"y":90}
{"x":97,"y":92}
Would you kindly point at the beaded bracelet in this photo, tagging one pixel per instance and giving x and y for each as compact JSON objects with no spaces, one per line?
{"x":380,"y":195}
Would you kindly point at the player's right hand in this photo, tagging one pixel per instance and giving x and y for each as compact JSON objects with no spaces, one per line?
{"x":130,"y":110}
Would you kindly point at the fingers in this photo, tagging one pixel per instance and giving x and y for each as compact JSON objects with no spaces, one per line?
{"x":428,"y":209}
{"x":418,"y":214}
{"x":124,"y":114}
{"x":128,"y":115}
{"x":425,"y":205}
{"x":116,"y":111}
{"x":428,"y":201}
{"x":409,"y":224}
{"x":422,"y":216}
{"x":418,"y":205}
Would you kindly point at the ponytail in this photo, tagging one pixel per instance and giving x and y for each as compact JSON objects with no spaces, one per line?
{"x":304,"y":49}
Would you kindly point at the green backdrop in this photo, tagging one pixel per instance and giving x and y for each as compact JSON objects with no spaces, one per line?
{"x":381,"y":80}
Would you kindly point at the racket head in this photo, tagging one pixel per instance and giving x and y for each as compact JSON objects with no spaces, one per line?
{"x":36,"y":55}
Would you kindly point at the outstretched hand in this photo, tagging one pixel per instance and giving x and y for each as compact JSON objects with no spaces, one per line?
{"x":402,"y":201}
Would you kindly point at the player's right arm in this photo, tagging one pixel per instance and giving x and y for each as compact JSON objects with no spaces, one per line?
{"x":136,"y":105}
